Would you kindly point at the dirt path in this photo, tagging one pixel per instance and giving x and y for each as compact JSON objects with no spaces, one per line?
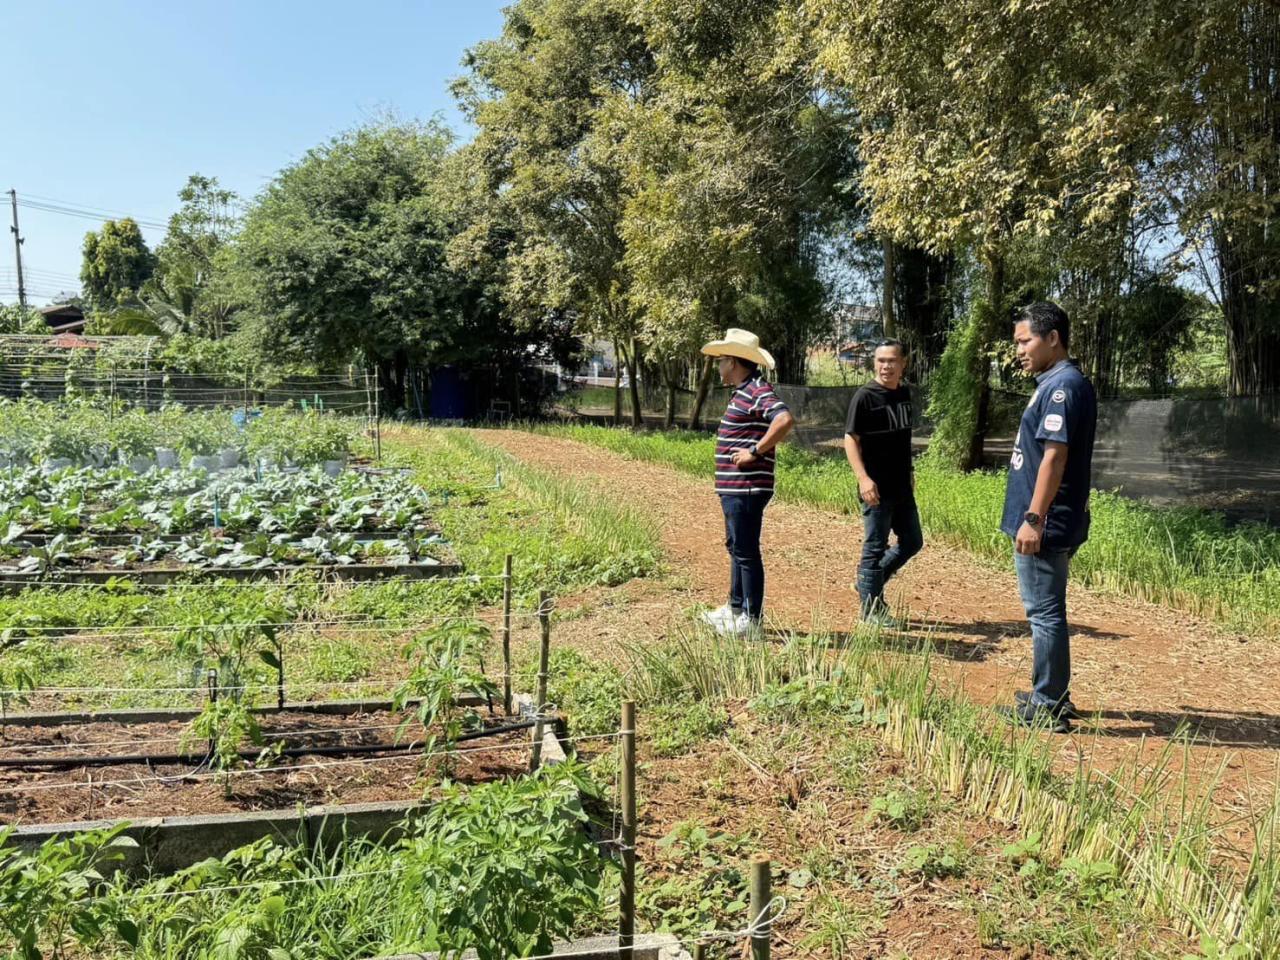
{"x":1147,"y":668}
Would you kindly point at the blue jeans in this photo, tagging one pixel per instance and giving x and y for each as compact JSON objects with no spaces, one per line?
{"x":743,"y":518}
{"x":880,"y":561}
{"x":1042,"y":584}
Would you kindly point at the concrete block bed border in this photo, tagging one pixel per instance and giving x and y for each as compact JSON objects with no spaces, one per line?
{"x":167,"y":844}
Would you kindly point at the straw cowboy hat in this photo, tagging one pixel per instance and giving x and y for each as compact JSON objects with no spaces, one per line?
{"x":742,"y":344}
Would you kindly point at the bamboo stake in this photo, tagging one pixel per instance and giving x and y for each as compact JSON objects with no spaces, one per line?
{"x":627,"y":898}
{"x":761,"y":897}
{"x":377,"y":420}
{"x":544,"y":619}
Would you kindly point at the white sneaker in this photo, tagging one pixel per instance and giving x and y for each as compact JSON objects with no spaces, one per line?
{"x":718,"y":618}
{"x":740,"y":626}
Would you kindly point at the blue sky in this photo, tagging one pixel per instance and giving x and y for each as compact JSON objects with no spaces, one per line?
{"x":118,"y":102}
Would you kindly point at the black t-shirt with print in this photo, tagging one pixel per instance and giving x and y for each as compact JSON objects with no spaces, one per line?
{"x":881,"y":420}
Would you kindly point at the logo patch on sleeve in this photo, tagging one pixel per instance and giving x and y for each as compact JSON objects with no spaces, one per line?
{"x":1053,"y":423}
{"x":1059,"y":396}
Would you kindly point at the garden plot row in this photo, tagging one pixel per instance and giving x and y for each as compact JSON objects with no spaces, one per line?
{"x":445,"y":717}
{"x":60,"y":435}
{"x":95,"y":525}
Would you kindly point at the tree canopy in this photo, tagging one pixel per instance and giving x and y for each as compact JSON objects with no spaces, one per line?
{"x":116,"y":263}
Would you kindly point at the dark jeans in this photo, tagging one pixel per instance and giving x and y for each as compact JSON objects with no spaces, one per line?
{"x":879,"y":560}
{"x":1042,"y":584}
{"x":743,"y":517}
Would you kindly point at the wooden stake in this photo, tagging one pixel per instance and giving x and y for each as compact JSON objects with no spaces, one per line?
{"x":627,"y":900}
{"x":506,"y":634}
{"x":760,"y":899}
{"x":377,"y":420}
{"x":544,"y":618}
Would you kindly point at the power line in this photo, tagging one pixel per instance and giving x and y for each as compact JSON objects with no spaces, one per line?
{"x":77,"y":206}
{"x":237,"y":202}
{"x":86,"y":214}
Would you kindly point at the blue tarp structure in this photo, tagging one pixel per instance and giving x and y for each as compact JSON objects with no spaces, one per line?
{"x":448,"y":395}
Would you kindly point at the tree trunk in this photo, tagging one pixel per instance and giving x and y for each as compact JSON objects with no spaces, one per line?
{"x":1103,"y":350}
{"x":700,"y":398}
{"x":617,"y":385}
{"x":637,"y":414}
{"x":669,"y":419}
{"x":890,"y":275}
{"x":1252,"y":321}
{"x":995,"y":296}
{"x":924,"y":318}
{"x":392,"y":382}
{"x":632,"y":359}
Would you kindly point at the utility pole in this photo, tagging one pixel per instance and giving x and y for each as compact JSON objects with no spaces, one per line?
{"x":17,"y":248}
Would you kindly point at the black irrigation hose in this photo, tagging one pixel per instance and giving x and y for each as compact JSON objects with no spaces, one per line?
{"x":338,"y":750}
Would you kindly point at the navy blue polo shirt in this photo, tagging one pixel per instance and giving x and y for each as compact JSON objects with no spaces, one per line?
{"x":1063,"y":409}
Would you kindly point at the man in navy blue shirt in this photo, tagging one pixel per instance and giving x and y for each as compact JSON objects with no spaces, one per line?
{"x":1046,"y":505}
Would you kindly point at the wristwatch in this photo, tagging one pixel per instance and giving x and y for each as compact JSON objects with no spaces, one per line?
{"x":754,"y":450}
{"x":1033,"y":519}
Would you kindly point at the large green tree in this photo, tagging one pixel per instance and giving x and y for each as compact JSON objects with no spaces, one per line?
{"x":116,"y":263}
{"x":187,"y":260}
{"x":986,"y":125}
{"x":1217,"y":70}
{"x":539,"y":96}
{"x":733,"y":164}
{"x":341,"y":258}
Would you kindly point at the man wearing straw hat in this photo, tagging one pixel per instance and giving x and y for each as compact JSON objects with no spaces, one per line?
{"x":754,"y":423}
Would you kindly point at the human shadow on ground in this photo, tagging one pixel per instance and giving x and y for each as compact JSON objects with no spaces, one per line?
{"x":1001,"y":629}
{"x":1212,"y":727}
{"x":977,"y":640}
{"x":917,"y":638}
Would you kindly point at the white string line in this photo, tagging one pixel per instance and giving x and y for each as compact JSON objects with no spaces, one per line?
{"x":300,"y":731}
{"x":245,"y":687}
{"x":759,"y":928}
{"x":264,"y":584}
{"x":366,"y":761}
{"x":130,"y":629}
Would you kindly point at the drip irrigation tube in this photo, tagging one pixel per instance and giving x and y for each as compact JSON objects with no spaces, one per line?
{"x":337,"y":750}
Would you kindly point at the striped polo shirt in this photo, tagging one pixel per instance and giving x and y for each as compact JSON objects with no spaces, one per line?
{"x":751,"y":409}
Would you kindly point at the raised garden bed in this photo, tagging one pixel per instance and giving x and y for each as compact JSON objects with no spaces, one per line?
{"x":239,"y":503}
{"x":180,"y":814}
{"x":170,"y":785}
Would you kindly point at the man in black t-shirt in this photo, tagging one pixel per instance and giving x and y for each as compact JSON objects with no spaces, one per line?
{"x":877,"y":442}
